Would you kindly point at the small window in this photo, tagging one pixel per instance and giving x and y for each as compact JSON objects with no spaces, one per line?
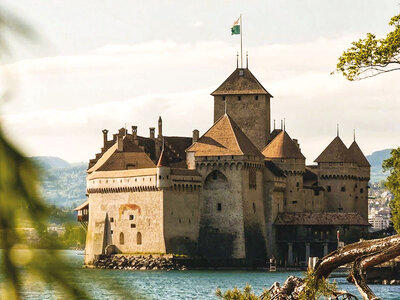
{"x":343,"y":189}
{"x":254,"y":207}
{"x":111,"y":220}
{"x":190,"y":222}
{"x":223,"y":98}
{"x":180,"y":221}
{"x":139,"y":238}
{"x":159,"y":176}
{"x":133,"y":225}
{"x":112,"y":231}
{"x":167,"y":177}
{"x":121,"y":238}
{"x":256,"y":97}
{"x":131,"y":217}
{"x":239,"y":98}
{"x":219,"y":206}
{"x":340,"y":209}
{"x":361,"y":190}
{"x":294,"y":202}
{"x":328,"y":188}
{"x":297,"y":184}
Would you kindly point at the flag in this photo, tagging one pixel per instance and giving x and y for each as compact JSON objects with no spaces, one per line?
{"x":235,"y":29}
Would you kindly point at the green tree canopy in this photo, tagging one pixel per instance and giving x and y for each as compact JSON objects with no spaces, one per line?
{"x":372,"y":56}
{"x":392,"y":164}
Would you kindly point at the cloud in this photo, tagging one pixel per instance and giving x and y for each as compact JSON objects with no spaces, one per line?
{"x":198,"y":24}
{"x":64,"y":102}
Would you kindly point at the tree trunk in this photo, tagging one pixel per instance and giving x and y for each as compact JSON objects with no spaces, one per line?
{"x":351,"y":252}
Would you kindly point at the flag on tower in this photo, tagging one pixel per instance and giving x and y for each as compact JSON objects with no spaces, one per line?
{"x":235,"y":29}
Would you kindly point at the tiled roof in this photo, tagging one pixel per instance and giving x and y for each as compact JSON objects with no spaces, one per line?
{"x":132,"y":156}
{"x":335,"y":152}
{"x":224,"y":138}
{"x":282,"y":146}
{"x":241,"y":82}
{"x":274,"y":169}
{"x":320,"y":219}
{"x":358,"y":156}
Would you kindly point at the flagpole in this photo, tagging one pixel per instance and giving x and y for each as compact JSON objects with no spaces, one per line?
{"x":241,"y":42}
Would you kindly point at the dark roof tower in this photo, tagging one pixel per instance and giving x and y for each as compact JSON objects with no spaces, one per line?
{"x":240,"y":82}
{"x":358,"y":156}
{"x":335,"y":152}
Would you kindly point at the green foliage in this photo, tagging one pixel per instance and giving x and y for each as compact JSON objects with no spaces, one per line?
{"x":236,"y":294}
{"x":392,"y":165}
{"x":372,"y":56}
{"x":314,"y":289}
{"x":73,"y":237}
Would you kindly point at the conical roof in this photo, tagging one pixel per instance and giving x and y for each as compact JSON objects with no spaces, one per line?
{"x":163,"y":160}
{"x":241,"y":82}
{"x":335,"y":152}
{"x":358,"y":156}
{"x":224,"y":138}
{"x":282,"y":146}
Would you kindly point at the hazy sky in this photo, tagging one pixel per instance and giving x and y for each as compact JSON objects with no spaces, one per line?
{"x":103,"y":64}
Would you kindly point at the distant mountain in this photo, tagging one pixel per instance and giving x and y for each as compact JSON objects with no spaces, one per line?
{"x":50,"y":162}
{"x":62,"y":184}
{"x":376,"y":159}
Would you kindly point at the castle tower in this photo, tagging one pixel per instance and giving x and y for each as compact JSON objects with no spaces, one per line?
{"x":284,"y":152}
{"x":163,"y":171}
{"x":337,"y":172}
{"x":363,"y":175}
{"x":243,"y":97}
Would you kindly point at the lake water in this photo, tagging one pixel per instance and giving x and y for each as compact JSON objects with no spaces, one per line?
{"x":106,"y":284}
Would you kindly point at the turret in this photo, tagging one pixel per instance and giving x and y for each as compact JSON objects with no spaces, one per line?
{"x":105,"y":132}
{"x":163,"y":172}
{"x":160,"y":127}
{"x":120,"y":139}
{"x":134,"y":135}
{"x":196,"y":134}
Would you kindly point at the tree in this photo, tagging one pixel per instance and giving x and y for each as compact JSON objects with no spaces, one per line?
{"x":392,"y":165}
{"x":372,"y":56}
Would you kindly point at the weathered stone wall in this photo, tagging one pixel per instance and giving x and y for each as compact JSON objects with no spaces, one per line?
{"x":253,"y":212}
{"x":342,"y":187}
{"x":222,"y":221}
{"x":132,"y":221}
{"x":253,"y":116}
{"x":273,"y":198}
{"x":181,"y":220}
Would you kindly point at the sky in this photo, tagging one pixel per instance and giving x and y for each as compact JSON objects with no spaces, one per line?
{"x":98,"y":64}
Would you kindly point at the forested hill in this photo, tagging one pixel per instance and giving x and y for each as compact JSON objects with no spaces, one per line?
{"x":376,"y":159}
{"x":62,"y":184}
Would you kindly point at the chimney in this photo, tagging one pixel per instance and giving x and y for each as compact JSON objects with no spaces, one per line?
{"x":120,"y":140}
{"x":152,"y":132}
{"x":159,"y":126}
{"x":105,"y":132}
{"x":195,"y":136}
{"x":134,"y":135}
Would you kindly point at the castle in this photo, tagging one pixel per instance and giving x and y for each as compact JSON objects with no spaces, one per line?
{"x":239,"y":193}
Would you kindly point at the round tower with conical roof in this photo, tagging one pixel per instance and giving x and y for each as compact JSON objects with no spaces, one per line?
{"x":163,"y":172}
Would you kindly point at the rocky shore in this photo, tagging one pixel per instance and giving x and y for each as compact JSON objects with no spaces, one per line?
{"x":140,"y":262}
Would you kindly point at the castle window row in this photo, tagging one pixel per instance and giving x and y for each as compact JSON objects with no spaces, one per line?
{"x":239,"y":98}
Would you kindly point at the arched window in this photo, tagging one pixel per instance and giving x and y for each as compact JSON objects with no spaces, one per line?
{"x":216,"y":180}
{"x":139,"y":238}
{"x":121,"y":238}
